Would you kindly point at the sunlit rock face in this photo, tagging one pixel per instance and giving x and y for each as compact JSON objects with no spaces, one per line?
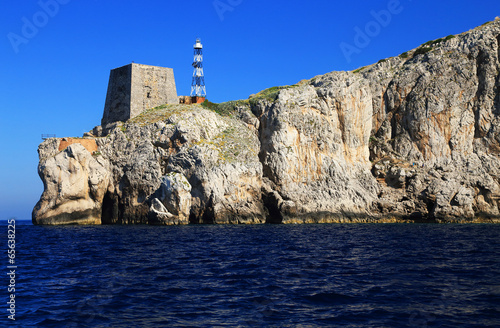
{"x":435,"y":131}
{"x":315,"y":151}
{"x":411,"y":138}
{"x":74,"y":186}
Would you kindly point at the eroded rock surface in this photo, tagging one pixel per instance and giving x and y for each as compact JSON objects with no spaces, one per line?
{"x":74,"y":186}
{"x":173,"y":204}
{"x":315,"y":152}
{"x":411,"y":138}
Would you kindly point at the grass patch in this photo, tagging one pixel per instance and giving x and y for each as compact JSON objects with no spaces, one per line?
{"x":229,"y":107}
{"x":381,"y":61}
{"x":359,"y":69}
{"x":234,"y":144}
{"x":160,"y":113}
{"x":271,"y":94}
{"x":210,"y":105}
{"x":225,"y":108}
{"x":404,"y":55}
{"x":428,"y":46}
{"x":434,"y":42}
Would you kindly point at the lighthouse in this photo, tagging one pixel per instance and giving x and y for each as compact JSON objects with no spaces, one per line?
{"x":198,"y":90}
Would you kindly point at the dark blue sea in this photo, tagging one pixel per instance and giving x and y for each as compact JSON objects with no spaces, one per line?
{"x":331,"y":275}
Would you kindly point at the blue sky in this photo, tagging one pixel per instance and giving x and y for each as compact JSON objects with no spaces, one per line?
{"x":56,"y":56}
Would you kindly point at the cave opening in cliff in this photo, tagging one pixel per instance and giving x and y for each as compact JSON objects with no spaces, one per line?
{"x":271,"y":204}
{"x":108,"y":214}
{"x":208,"y":216}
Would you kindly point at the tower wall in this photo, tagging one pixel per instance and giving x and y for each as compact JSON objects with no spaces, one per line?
{"x":134,"y":88}
{"x":117,"y":105}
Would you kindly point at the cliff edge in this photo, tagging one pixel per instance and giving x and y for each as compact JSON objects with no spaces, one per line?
{"x":413,"y":138}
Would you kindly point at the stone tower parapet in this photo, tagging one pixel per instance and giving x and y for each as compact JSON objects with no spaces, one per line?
{"x":134,"y":88}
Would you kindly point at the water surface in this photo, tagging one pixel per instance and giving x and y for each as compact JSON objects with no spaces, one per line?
{"x":332,"y":275}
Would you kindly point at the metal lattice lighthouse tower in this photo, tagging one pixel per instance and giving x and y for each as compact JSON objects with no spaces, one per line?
{"x":198,"y":89}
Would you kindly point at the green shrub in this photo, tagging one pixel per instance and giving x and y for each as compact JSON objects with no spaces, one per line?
{"x":225,"y":108}
{"x":210,"y":105}
{"x":359,"y":69}
{"x":271,"y":94}
{"x":432,"y":42}
{"x":422,"y":50}
{"x":382,"y":61}
{"x":228,"y":108}
{"x":404,"y":55}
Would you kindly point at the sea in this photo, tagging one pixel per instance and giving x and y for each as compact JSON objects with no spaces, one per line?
{"x":312,"y":275}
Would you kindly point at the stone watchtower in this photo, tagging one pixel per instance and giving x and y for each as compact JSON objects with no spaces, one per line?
{"x":134,"y":88}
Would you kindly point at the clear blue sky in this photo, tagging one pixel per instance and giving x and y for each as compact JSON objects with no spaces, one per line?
{"x":56,"y":59}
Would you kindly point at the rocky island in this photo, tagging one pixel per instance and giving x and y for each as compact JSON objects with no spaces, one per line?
{"x":412,"y":138}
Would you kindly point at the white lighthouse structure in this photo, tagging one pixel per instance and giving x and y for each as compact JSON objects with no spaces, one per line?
{"x":198,"y":90}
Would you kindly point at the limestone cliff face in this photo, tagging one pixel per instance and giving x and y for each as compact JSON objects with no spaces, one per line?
{"x":411,"y":138}
{"x":314,"y":150}
{"x":436,"y":128}
{"x":189,"y":165}
{"x":74,"y":185}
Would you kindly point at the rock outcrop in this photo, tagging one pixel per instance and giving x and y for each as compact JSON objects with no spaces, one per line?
{"x":314,"y":150}
{"x":411,"y":138}
{"x":173,"y":204}
{"x":74,"y":186}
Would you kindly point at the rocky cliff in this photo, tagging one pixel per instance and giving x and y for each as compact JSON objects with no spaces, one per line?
{"x":412,"y":138}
